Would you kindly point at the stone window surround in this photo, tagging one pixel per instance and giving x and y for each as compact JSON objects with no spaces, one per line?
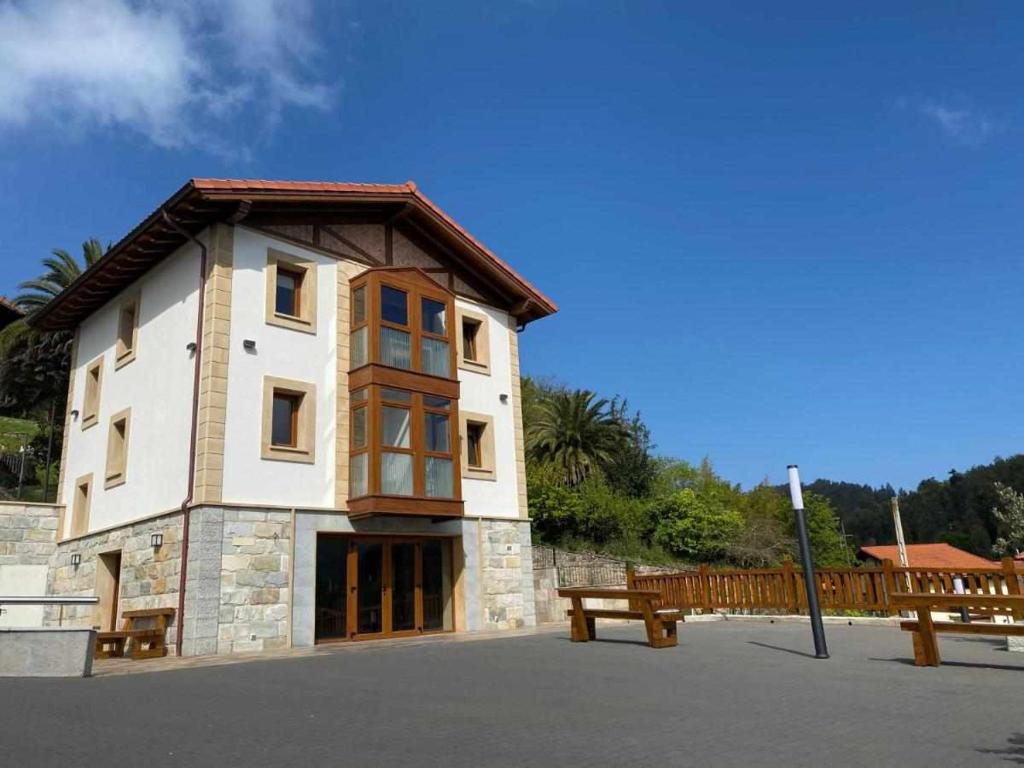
{"x":125,"y":350}
{"x":483,"y":346}
{"x":80,"y":506}
{"x":305,"y":321}
{"x":304,"y":451}
{"x":117,"y":455}
{"x":91,"y":399}
{"x":487,"y":470}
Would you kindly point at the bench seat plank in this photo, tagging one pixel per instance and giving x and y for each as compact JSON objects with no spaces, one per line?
{"x":957,"y":628}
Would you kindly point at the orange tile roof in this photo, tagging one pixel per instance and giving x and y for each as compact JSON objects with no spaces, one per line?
{"x":929,"y":556}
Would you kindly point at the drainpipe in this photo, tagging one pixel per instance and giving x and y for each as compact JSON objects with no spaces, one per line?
{"x":193,"y":435}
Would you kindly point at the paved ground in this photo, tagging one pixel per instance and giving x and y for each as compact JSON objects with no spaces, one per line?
{"x":732,"y":694}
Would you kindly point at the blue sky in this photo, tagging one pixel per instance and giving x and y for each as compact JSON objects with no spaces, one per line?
{"x":787,"y":232}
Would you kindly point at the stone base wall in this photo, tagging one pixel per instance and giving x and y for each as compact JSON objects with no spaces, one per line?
{"x":28,"y":539}
{"x":506,"y":575}
{"x":149,"y":576}
{"x":237,"y":589}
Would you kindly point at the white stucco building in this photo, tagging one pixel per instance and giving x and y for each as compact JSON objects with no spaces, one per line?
{"x":294,"y":417}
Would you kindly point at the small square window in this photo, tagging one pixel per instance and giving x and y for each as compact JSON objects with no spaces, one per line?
{"x":289,"y":420}
{"x":477,"y":446}
{"x":127,"y":333}
{"x":474,"y":351}
{"x":80,"y":506}
{"x":117,"y":449}
{"x":91,"y":400}
{"x":291,"y":291}
{"x":394,"y":305}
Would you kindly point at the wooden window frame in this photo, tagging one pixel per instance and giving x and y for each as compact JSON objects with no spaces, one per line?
{"x":304,"y":452}
{"x":375,"y":402}
{"x":91,"y":395}
{"x":488,"y":468}
{"x":482,"y":362}
{"x":306,"y":292}
{"x":117,"y":455}
{"x":417,"y":286}
{"x":80,"y":506}
{"x":125,"y":350}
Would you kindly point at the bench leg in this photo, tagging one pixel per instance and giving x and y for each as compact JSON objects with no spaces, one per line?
{"x":580,"y":627}
{"x":665,"y":635}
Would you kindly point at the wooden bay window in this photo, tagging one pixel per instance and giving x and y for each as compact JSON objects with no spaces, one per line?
{"x":403,"y":455}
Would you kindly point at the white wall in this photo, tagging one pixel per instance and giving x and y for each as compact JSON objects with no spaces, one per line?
{"x":157,"y":386}
{"x":26,"y":581}
{"x":480,"y":393}
{"x":287,"y":354}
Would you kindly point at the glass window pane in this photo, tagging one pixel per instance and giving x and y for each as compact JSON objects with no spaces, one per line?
{"x":359,"y":396}
{"x":396,"y":473}
{"x":359,"y":305}
{"x":434,"y":356}
{"x":439,"y":477}
{"x":287,"y":293}
{"x":359,"y":428}
{"x":282,"y":420}
{"x":395,"y":349}
{"x":393,"y":306}
{"x":396,"y":395}
{"x":441,"y":403}
{"x":359,"y":351}
{"x":435,"y":428}
{"x":469,"y":332}
{"x":358,"y":475}
{"x":433,"y":316}
{"x":395,"y":424}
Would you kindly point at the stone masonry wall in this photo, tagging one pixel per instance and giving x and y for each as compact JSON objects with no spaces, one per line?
{"x":254,"y":584}
{"x":28,"y":533}
{"x":149,"y":576}
{"x":507,"y":574}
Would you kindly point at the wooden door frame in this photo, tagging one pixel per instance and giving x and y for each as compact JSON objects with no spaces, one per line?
{"x":387,"y":540}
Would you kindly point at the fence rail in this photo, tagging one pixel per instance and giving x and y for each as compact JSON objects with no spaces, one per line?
{"x":840,"y":589}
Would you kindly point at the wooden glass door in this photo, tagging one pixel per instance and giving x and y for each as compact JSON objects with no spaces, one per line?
{"x":382,"y":586}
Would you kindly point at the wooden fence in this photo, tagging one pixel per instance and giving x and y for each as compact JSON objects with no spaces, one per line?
{"x":839,"y":589}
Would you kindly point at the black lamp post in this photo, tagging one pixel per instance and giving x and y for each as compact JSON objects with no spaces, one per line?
{"x":810,"y":582}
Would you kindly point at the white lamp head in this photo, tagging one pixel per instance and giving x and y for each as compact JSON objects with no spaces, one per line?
{"x":794,"y":487}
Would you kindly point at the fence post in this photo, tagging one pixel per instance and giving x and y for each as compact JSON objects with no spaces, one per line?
{"x":705,"y":588}
{"x":890,"y":584}
{"x":789,"y":586}
{"x":1012,"y":584}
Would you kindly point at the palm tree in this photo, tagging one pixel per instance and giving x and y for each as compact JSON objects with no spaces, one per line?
{"x":575,"y":433}
{"x":63,"y":269}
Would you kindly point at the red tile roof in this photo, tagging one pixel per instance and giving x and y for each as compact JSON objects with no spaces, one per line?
{"x":201,"y":202}
{"x":929,"y":556}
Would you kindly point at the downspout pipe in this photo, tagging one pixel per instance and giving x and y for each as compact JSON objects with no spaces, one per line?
{"x":186,"y":504}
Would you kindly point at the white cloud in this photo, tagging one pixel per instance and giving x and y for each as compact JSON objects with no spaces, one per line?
{"x":174,"y":71}
{"x":964,"y":126}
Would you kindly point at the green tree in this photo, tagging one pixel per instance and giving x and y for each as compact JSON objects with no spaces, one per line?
{"x":62,"y":269}
{"x":576,"y":433}
{"x":764,"y":541}
{"x":1009,"y":512}
{"x":827,"y":544}
{"x":701,"y":525}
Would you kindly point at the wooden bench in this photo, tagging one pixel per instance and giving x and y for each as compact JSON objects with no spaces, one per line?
{"x":660,"y":624}
{"x":926,"y":630}
{"x":141,"y":642}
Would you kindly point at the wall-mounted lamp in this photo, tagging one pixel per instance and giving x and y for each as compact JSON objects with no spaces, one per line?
{"x":156,"y":540}
{"x":76,"y":559}
{"x":503,"y":397}
{"x":191,"y":347}
{"x":74,"y":414}
{"x":249,"y":345}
